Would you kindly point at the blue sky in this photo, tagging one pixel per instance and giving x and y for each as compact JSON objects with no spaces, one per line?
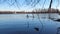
{"x":26,"y":5}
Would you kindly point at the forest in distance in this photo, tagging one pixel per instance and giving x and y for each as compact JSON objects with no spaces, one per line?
{"x":31,"y":12}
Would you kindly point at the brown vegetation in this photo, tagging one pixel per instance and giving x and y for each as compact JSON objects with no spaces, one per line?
{"x":33,"y":12}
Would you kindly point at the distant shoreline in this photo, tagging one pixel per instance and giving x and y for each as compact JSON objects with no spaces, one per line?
{"x":31,"y":12}
{"x":26,"y":12}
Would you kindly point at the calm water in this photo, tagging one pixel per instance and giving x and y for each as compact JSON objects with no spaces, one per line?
{"x":20,"y":24}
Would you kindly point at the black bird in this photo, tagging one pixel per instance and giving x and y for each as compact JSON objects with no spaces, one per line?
{"x":37,"y":29}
